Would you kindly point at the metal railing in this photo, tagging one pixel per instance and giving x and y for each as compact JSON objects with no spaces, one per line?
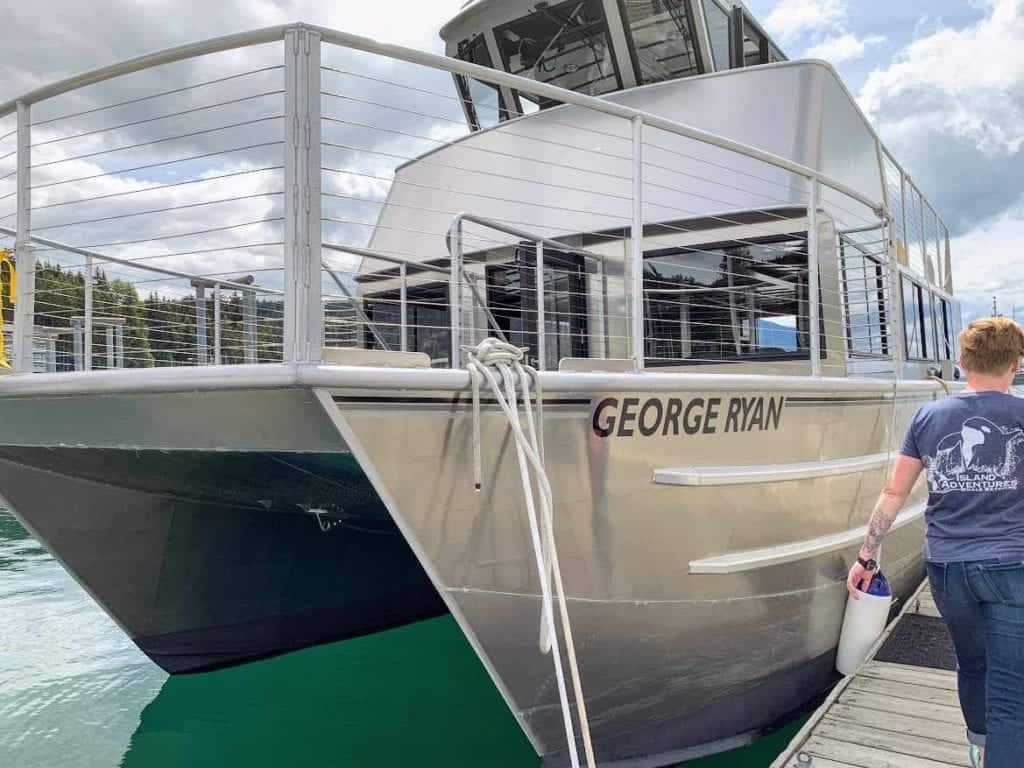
{"x":331,"y":142}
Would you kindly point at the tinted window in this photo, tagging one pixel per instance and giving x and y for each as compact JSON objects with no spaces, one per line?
{"x":512,"y":299}
{"x":426,"y":317}
{"x":755,"y":46}
{"x":946,"y":330}
{"x":565,"y":45}
{"x":718,"y":31}
{"x":731,"y":302}
{"x":485,"y":100}
{"x":928,"y":317}
{"x":913,"y":329}
{"x":662,"y":38}
{"x":864,"y":301}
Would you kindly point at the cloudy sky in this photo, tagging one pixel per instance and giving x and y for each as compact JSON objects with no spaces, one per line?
{"x":943,"y":80}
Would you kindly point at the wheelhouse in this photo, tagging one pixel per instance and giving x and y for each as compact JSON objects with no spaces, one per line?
{"x":597,"y":47}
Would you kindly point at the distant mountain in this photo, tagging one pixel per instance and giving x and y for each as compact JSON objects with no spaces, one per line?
{"x":774,"y":335}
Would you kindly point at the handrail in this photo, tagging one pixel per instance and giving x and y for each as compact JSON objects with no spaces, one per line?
{"x":455,"y":66}
{"x":166,"y":56}
{"x":87,"y":253}
{"x":522,"y":234}
{"x":406,"y":262}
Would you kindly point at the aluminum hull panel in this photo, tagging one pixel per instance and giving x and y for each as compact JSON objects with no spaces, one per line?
{"x":654,"y":641}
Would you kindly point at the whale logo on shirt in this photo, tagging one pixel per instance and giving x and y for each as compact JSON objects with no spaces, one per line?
{"x":982,"y":456}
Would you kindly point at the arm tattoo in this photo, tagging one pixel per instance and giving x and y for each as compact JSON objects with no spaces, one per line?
{"x":881,"y":521}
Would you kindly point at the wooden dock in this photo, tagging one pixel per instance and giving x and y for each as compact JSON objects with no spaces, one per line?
{"x":887,"y":715}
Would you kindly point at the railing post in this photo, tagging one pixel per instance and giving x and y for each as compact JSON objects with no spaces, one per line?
{"x":216,"y":325}
{"x":541,"y":328}
{"x":403,"y":309}
{"x":111,"y":356}
{"x":303,"y":319}
{"x":119,"y":345}
{"x":637,"y":247}
{"x":813,"y":281}
{"x":202,"y":350}
{"x":76,"y":344}
{"x":24,"y":303}
{"x":455,"y":295}
{"x":89,"y":279}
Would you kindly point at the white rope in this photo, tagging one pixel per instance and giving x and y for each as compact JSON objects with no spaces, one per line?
{"x":488,"y":361}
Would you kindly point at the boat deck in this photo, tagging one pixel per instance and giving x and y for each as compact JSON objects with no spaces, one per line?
{"x":900,"y":710}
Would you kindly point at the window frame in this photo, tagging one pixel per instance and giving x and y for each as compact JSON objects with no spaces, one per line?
{"x":799,"y":355}
{"x":544,"y":103}
{"x":700,"y":65}
{"x":392,"y":297}
{"x":575,"y":269}
{"x":879,"y":292}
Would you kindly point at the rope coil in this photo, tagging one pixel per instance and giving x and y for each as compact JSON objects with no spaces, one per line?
{"x":501,"y":366}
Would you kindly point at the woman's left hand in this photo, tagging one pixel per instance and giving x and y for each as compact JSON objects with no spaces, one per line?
{"x":858,"y":580}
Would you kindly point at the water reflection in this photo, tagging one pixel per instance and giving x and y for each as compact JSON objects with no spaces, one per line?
{"x":76,"y":693}
{"x":411,"y":694}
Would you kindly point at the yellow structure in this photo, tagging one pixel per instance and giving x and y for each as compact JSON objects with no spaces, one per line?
{"x":11,"y":288}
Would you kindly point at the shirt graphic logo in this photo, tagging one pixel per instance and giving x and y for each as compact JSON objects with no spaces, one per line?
{"x":981,"y":457}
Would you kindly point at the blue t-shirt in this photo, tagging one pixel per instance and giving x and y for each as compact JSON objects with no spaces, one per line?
{"x":972,"y":445}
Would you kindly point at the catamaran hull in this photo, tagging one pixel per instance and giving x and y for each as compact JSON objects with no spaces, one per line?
{"x":209,"y":557}
{"x":704,"y":525}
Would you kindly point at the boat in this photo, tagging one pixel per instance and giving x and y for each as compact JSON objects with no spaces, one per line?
{"x":258,"y":281}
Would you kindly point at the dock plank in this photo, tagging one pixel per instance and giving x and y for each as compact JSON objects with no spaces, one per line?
{"x":888,"y":715}
{"x":836,"y":729}
{"x":933,"y":678}
{"x":899,"y":722}
{"x":905,"y":691}
{"x":938,"y":712}
{"x":864,"y":756}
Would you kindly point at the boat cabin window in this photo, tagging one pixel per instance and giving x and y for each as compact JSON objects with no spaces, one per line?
{"x":512,"y":300}
{"x":564,"y":44}
{"x":755,"y":45}
{"x":428,"y":321}
{"x":864,"y":302}
{"x":483,"y":103}
{"x":727,"y":302}
{"x":662,"y":41}
{"x":945,"y":318}
{"x":718,"y":32}
{"x":918,"y":321}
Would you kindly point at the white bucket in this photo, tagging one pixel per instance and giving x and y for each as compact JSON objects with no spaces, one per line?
{"x":864,"y":623}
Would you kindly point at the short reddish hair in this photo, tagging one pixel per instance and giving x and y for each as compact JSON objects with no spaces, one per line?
{"x":991,"y":345}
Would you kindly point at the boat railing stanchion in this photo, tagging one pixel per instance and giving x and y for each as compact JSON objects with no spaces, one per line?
{"x":455,"y":293}
{"x":24,"y":257}
{"x":813,"y":295}
{"x":636,"y":293}
{"x":216,"y":325}
{"x":89,"y":284}
{"x":403,"y":307}
{"x":541,"y":330}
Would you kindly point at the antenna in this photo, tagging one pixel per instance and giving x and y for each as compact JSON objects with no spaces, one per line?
{"x":995,"y":307}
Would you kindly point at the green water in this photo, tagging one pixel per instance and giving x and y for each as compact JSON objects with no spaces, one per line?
{"x":75,"y":692}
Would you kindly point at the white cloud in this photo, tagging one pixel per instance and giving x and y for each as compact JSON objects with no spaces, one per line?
{"x":792,"y":18}
{"x":967,"y":83}
{"x":986,"y":261}
{"x":844,"y":47}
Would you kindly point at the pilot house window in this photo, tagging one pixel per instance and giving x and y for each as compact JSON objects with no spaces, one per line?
{"x":564,"y":45}
{"x":663,"y":47}
{"x":726,"y":302}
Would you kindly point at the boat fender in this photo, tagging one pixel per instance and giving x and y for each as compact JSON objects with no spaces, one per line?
{"x":863,"y":624}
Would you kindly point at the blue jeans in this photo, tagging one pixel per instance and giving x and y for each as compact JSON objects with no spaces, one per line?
{"x":982,"y":603}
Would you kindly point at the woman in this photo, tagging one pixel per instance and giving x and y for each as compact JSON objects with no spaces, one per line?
{"x":972,"y":446}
